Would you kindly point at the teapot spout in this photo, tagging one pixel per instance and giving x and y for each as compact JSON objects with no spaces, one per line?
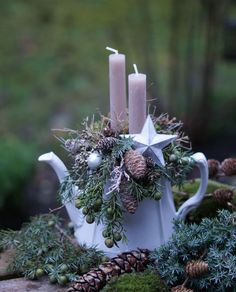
{"x":55,"y":162}
{"x":62,"y":173}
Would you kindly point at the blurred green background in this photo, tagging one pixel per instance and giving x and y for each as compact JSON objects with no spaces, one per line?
{"x":54,"y":72}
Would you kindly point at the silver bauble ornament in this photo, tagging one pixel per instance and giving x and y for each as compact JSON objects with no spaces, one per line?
{"x":94,"y":160}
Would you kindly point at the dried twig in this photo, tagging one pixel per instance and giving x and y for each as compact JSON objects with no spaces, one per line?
{"x":56,"y":209}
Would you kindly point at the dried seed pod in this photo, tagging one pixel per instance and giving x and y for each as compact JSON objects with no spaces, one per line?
{"x":228,"y":166}
{"x":196,"y":268}
{"x":135,"y":163}
{"x":213,"y":167}
{"x":222,"y":196}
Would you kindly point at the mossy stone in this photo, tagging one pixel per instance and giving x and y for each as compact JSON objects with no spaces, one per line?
{"x":208,"y":207}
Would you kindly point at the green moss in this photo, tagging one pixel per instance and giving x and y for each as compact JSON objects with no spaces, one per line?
{"x":208,"y":207}
{"x":147,"y":281}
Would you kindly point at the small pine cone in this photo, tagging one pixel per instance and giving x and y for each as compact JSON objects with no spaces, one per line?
{"x":106,"y":144}
{"x":152,"y":175}
{"x":135,"y":163}
{"x":72,"y":145}
{"x":129,"y":202}
{"x":196,"y":268}
{"x":213,"y":167}
{"x":222,"y":196}
{"x":228,"y":166}
{"x":180,"y":288}
{"x":108,"y":132}
{"x":150,"y":162}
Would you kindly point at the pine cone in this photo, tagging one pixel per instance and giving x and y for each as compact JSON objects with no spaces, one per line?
{"x":72,"y":145}
{"x":106,"y":144}
{"x":180,"y":288}
{"x":150,"y":162}
{"x":108,"y":132}
{"x":228,"y":166}
{"x":126,"y":262}
{"x":135,"y":163}
{"x":222,"y":196}
{"x":196,"y":268}
{"x":152,"y":175}
{"x":129,"y":202}
{"x":213,"y":167}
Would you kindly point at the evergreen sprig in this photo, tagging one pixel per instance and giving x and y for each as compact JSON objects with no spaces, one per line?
{"x":212,"y":240}
{"x":43,"y":246}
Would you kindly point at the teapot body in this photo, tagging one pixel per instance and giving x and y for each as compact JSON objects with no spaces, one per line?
{"x":150,"y":226}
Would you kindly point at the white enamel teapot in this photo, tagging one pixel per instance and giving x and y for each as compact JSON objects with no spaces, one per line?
{"x":152,"y":223}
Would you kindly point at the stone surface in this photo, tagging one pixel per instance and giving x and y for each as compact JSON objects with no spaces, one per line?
{"x":5,"y":259}
{"x":23,"y":285}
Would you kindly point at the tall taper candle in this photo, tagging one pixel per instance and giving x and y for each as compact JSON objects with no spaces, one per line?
{"x":137,"y":101}
{"x":117,"y":87}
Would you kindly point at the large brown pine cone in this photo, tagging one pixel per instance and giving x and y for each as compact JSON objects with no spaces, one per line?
{"x":222,"y":196}
{"x":135,"y":164}
{"x":180,"y":288}
{"x":213,"y":167}
{"x":228,"y":166}
{"x":126,"y":262}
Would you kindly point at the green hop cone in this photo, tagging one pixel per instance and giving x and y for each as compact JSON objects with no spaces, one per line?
{"x":89,"y":219}
{"x":110,"y":213}
{"x":105,"y":233}
{"x":52,"y":279}
{"x":105,"y":259}
{"x":51,"y":223}
{"x":62,"y":280}
{"x":85,"y":210}
{"x":39,"y":273}
{"x":117,"y":236}
{"x":63,"y":268}
{"x":78,"y":203}
{"x":97,"y":205}
{"x":109,"y":242}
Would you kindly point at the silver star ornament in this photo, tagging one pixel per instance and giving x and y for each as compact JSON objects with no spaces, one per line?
{"x":150,"y":143}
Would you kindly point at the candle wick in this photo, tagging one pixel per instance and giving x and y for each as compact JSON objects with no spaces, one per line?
{"x":135,"y":68}
{"x":112,"y":50}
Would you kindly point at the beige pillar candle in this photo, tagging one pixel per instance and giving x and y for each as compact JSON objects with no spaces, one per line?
{"x":117,"y":86}
{"x":137,"y":101}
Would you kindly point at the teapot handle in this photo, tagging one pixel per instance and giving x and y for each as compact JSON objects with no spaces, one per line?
{"x":195,"y":200}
